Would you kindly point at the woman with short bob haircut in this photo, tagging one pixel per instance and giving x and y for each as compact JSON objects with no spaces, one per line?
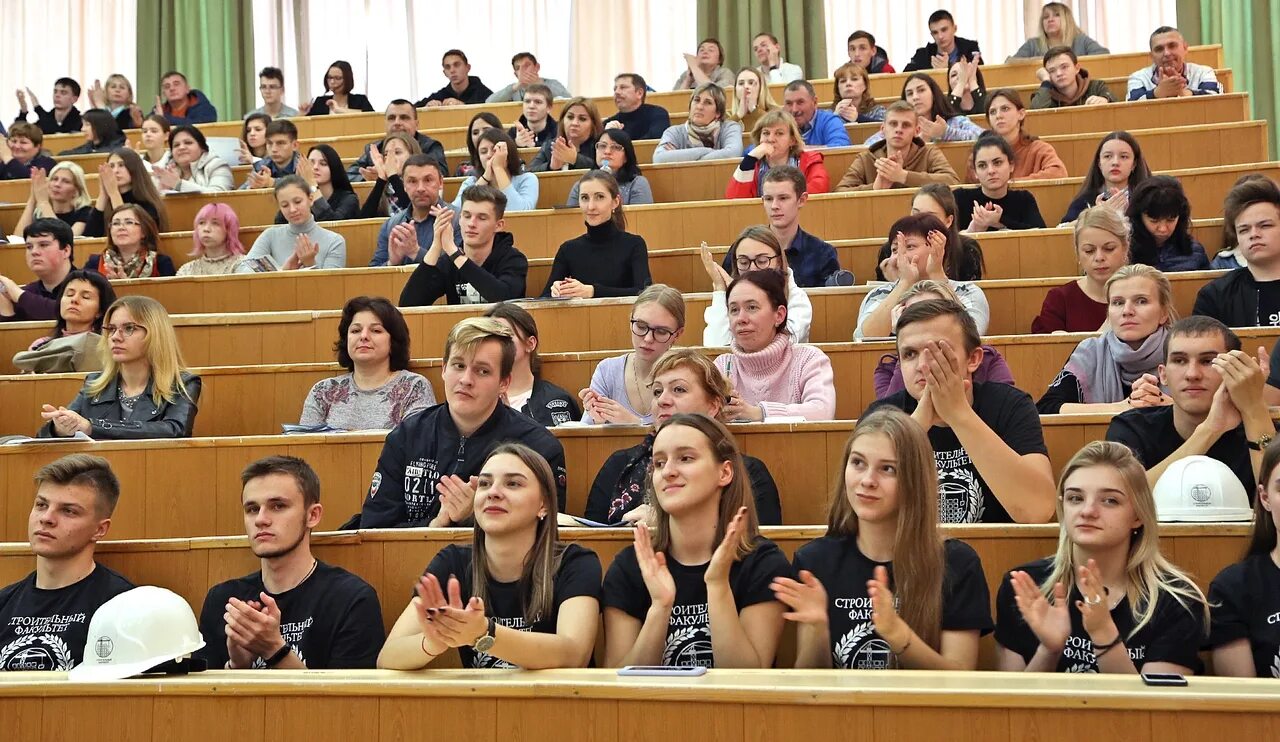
{"x":85,"y":298}
{"x":853,"y":100}
{"x":378,"y":391}
{"x":695,"y":592}
{"x":1108,"y":600}
{"x":133,"y":247}
{"x":516,"y":596}
{"x":708,"y":134}
{"x":144,"y":389}
{"x":921,"y":599}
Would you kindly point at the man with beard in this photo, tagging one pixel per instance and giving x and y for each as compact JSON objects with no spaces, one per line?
{"x":296,"y":612}
{"x":44,"y":618}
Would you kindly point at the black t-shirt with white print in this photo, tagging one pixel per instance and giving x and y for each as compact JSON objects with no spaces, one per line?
{"x":332,"y":619}
{"x":578,"y":575}
{"x":1174,"y":633}
{"x":47,"y":629}
{"x":844,"y":570}
{"x":689,"y":631}
{"x":963,"y":494}
{"x":1245,"y":602}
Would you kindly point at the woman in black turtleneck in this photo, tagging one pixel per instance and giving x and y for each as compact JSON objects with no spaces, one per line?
{"x":607,"y":260}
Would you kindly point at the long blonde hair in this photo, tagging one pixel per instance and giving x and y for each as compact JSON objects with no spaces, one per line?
{"x":764,"y":101}
{"x":163,"y":354}
{"x":918,"y":558}
{"x":1148,"y":573}
{"x":77,"y":176}
{"x":1069,"y":27}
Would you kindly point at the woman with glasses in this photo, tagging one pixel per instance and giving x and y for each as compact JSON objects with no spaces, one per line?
{"x":339,"y":81}
{"x":756,"y":249}
{"x":607,"y":260}
{"x":133,"y":247}
{"x":144,"y":389}
{"x":620,"y":390}
{"x":616,"y":154}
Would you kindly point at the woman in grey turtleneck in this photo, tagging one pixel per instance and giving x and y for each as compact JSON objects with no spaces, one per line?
{"x":301,"y":243}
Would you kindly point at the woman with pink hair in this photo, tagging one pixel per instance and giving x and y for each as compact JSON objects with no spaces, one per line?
{"x":217,"y":242}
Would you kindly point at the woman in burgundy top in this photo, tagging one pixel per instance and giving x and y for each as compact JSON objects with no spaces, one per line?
{"x":1102,"y":248}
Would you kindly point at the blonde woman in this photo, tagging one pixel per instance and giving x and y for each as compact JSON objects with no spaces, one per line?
{"x":144,"y":389}
{"x":1102,"y":247}
{"x":750,"y":98}
{"x":1108,"y":600}
{"x":884,"y":588}
{"x":1057,"y":28}
{"x":620,"y":390}
{"x":62,"y":194}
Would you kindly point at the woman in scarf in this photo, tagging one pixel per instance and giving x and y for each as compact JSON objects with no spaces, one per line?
{"x":684,"y":381}
{"x":708,"y":134}
{"x":1116,"y":370}
{"x":133,"y":247}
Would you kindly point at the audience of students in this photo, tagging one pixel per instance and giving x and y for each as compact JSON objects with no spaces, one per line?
{"x":1101,"y":238}
{"x":778,"y":144}
{"x":616,"y":153}
{"x":1034,"y":158}
{"x":50,"y":256}
{"x":607,"y":260}
{"x":64,"y":118}
{"x":620,"y":390}
{"x":864,"y":53}
{"x":133,"y":247}
{"x":641,"y":120}
{"x":378,"y":391}
{"x":182,"y":104}
{"x":144,"y":389}
{"x":463,"y":88}
{"x":768,"y":53}
{"x":685,"y":381}
{"x":21,"y":152}
{"x":400,"y":118}
{"x":1116,"y":371}
{"x":62,"y":194}
{"x":1161,"y":217}
{"x":1058,"y":28}
{"x":271,"y":88}
{"x":217,"y":248}
{"x":192,"y":168}
{"x":1248,"y":296}
{"x":708,"y":134}
{"x":1067,"y":83}
{"x":994,"y":204}
{"x":750,"y":97}
{"x":706,"y":570}
{"x":1108,"y":601}
{"x":707,"y":65}
{"x":1170,"y":74}
{"x":300,"y":243}
{"x":73,"y":346}
{"x":818,"y":126}
{"x":528,"y":73}
{"x":946,"y":48}
{"x":756,"y":248}
{"x":339,"y":84}
{"x":1118,"y":167}
{"x":899,"y":157}
{"x":486,"y":269}
{"x":853,"y":102}
{"x":528,"y":392}
{"x":573,"y":147}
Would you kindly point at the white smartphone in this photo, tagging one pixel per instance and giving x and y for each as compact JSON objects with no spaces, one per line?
{"x":663,"y":671}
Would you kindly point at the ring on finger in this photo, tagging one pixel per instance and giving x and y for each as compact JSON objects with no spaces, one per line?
{"x":1095,"y":600}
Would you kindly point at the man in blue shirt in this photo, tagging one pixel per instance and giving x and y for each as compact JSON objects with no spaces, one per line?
{"x":820,"y":128}
{"x":812,"y":261}
{"x":423,"y":178}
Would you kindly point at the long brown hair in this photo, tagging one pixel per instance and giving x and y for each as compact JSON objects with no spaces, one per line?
{"x":141,"y":186}
{"x":918,"y":559}
{"x":733,"y":496}
{"x":537,"y":580}
{"x":1262,"y":540}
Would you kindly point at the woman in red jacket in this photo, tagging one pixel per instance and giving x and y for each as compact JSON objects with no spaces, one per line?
{"x":778,"y":143}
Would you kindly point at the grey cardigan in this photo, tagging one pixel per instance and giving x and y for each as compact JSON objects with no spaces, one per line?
{"x":728,"y":144}
{"x":148,"y":420}
{"x":279,"y":241}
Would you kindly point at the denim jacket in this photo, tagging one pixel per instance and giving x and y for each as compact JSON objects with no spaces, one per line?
{"x":148,"y":420}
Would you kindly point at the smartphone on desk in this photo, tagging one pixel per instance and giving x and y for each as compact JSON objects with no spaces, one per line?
{"x":663,"y":671}
{"x":1164,"y":678}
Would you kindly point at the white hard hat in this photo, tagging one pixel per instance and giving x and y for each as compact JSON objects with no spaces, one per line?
{"x":135,"y":631}
{"x":1201,"y":489}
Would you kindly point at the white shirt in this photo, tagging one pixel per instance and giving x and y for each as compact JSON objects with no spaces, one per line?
{"x":786,"y":72}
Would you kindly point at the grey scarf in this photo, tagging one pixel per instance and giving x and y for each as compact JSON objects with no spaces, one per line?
{"x":1103,"y":365}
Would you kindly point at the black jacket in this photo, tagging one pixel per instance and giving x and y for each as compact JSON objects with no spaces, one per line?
{"x":48,"y":122}
{"x":500,"y":278}
{"x":428,"y":446}
{"x":646,"y":122}
{"x":586,"y":157}
{"x":476,"y":92}
{"x":923,"y":59}
{"x":430,"y":147}
{"x":89,"y":148}
{"x":1231,"y":299}
{"x":551,"y":406}
{"x":148,"y":420}
{"x":355,"y":101}
{"x":547,"y":134}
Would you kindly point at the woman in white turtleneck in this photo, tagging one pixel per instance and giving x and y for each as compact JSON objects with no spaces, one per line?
{"x":301,"y":243}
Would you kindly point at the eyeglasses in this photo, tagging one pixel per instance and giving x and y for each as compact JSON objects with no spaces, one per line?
{"x":640,"y":328}
{"x":608,"y":147}
{"x":760,"y":261}
{"x":125,"y":223}
{"x":127,"y":329}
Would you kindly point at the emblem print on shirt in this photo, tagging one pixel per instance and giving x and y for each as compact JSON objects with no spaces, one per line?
{"x":869,"y":655}
{"x":689,"y":647}
{"x":959,"y":494}
{"x":36,"y":652}
{"x":375,"y":484}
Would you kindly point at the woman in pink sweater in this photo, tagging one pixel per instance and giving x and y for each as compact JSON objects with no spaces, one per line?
{"x":771,"y":377}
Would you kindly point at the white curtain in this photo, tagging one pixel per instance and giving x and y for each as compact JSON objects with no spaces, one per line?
{"x":650,"y":37}
{"x":47,"y":39}
{"x":999,"y":26}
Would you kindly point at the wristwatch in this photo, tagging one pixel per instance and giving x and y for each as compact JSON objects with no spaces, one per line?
{"x":486,"y":640}
{"x":1261,"y":443}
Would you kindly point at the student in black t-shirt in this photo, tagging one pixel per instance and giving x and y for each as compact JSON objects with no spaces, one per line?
{"x":993,"y":204}
{"x":1108,"y":600}
{"x":993,"y":465}
{"x":852,"y":612}
{"x":1249,"y":296}
{"x":696,"y":592}
{"x":1218,"y":408}
{"x":44,"y":618}
{"x":516,"y":597}
{"x":1244,"y":599}
{"x":684,"y":381}
{"x":528,"y":392}
{"x":296,"y":612}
